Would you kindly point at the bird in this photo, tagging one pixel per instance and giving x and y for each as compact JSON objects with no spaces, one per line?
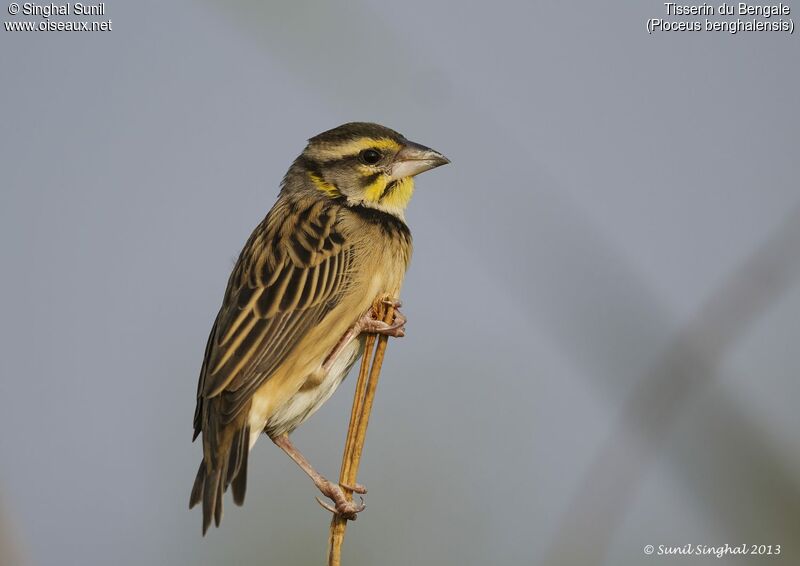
{"x":299,"y":303}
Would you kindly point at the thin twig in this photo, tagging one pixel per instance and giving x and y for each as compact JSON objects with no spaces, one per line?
{"x":359,"y":419}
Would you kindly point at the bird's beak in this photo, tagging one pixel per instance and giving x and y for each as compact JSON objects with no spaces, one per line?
{"x":414,"y":159}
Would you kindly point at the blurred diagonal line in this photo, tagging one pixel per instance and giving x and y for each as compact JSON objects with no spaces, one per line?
{"x":688,"y":364}
{"x":751,"y":473}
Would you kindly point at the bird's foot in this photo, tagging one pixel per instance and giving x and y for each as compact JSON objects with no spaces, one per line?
{"x":355,"y":488}
{"x":374,"y":325}
{"x":343,"y":507}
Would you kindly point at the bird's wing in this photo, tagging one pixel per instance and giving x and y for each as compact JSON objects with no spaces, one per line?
{"x":292,"y":272}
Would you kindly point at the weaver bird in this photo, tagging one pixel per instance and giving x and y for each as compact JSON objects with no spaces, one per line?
{"x":299,"y":302}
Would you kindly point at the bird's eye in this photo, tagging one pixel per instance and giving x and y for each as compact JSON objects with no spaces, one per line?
{"x":370,"y":156}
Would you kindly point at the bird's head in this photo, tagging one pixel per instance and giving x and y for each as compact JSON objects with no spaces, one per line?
{"x":365,"y":164}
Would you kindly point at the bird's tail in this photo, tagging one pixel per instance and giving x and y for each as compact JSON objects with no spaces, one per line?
{"x":229,"y":467}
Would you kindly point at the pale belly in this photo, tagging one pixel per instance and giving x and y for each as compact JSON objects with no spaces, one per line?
{"x":306,"y":401}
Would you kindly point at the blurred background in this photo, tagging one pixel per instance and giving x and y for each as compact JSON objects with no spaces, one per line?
{"x":604,"y":302}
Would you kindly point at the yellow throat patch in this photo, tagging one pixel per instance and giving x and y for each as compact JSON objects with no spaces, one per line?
{"x":394,"y":196}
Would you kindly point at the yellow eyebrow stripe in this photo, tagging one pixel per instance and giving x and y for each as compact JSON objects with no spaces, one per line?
{"x":336,"y":151}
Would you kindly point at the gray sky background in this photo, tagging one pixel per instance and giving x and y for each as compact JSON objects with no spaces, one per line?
{"x":603,"y":303}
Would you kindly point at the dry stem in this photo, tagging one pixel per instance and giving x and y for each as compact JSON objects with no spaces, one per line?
{"x":359,"y":419}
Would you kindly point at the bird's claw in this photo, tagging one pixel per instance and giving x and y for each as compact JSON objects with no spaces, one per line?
{"x":325,"y":505}
{"x":372,"y":324}
{"x":343,"y":507}
{"x":348,"y":510}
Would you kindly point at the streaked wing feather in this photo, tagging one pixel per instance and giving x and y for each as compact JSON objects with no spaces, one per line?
{"x":198,"y":412}
{"x":291,"y":273}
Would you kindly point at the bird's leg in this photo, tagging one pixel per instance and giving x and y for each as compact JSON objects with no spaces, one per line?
{"x":345,"y":508}
{"x":371,"y":324}
{"x":344,"y":341}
